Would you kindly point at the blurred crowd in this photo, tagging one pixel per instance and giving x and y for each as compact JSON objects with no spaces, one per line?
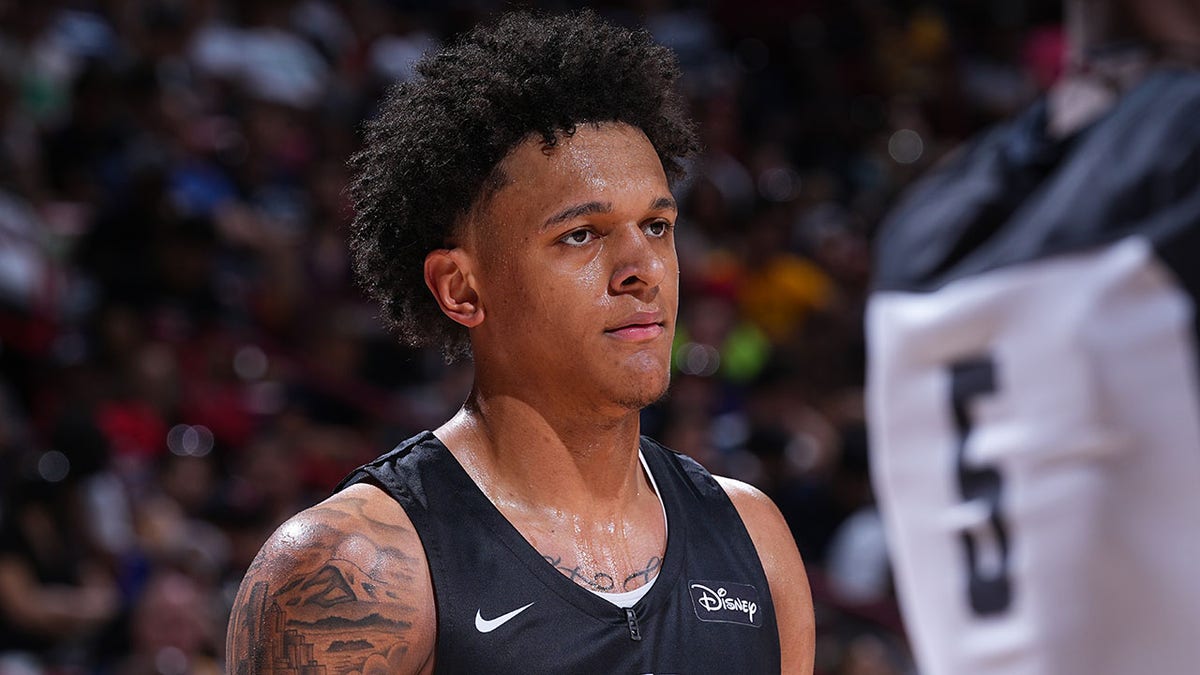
{"x":185,"y":360}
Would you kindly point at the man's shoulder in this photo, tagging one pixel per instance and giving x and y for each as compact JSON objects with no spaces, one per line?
{"x":745,"y":497}
{"x":389,"y":468}
{"x":357,"y":512}
{"x":350,"y":578}
{"x":758,"y":511}
{"x":784,"y":569}
{"x":741,"y":492}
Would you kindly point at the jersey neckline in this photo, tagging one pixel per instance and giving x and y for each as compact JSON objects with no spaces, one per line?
{"x":627,"y":599}
{"x":480,"y":507}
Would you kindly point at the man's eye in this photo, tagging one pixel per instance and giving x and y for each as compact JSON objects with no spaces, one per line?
{"x":658,"y":228}
{"x":577,"y":237}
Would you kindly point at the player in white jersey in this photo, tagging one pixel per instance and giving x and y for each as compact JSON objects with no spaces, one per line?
{"x":1033,"y":397}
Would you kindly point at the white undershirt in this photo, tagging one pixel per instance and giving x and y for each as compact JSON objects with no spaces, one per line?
{"x":630,"y":598}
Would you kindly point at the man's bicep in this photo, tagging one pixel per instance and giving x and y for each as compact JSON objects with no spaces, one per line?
{"x":785,"y":573}
{"x":336,"y":587}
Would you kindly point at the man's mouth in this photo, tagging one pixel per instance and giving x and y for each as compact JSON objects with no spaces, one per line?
{"x":639,"y":327}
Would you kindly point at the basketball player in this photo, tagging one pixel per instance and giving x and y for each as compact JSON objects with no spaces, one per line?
{"x":1033,"y":379}
{"x":514,"y":201}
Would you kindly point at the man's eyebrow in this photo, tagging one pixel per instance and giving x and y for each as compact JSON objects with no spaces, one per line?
{"x":663,"y":204}
{"x":585,"y":209}
{"x":589,"y":208}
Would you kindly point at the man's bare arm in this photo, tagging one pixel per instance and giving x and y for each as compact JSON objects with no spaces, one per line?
{"x":344,"y":585}
{"x":785,"y":573}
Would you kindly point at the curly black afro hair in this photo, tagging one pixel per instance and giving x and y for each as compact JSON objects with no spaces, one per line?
{"x":432,"y":152}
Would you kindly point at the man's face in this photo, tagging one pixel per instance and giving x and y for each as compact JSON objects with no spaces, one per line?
{"x":577,"y":273}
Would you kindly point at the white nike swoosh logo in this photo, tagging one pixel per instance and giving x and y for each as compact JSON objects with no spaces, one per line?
{"x":488,"y":625}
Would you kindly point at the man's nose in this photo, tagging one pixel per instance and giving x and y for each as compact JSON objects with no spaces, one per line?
{"x":638,"y":264}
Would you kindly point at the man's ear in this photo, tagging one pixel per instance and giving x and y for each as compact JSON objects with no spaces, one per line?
{"x":449,"y":276}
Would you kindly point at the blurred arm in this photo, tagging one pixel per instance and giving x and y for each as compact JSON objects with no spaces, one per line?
{"x":53,"y":610}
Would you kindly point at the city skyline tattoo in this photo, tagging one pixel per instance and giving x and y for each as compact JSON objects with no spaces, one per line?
{"x":342,"y":608}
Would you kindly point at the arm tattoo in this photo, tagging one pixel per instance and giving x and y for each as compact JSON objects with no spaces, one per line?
{"x":330,"y":614}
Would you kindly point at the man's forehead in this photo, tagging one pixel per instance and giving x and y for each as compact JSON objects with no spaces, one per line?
{"x":583,"y":170}
{"x":587,"y":148}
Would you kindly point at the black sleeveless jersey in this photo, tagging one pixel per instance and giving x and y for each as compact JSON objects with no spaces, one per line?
{"x":503,"y":608}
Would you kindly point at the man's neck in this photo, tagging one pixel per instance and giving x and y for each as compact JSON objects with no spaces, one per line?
{"x":525,"y":456}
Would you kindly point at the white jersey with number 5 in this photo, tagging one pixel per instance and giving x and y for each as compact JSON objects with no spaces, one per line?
{"x":1033,"y":396}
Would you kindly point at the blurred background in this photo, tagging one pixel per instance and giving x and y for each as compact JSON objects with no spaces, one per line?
{"x":185,"y":360}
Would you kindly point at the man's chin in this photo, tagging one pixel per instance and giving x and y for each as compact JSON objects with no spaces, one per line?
{"x":649,"y":390}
